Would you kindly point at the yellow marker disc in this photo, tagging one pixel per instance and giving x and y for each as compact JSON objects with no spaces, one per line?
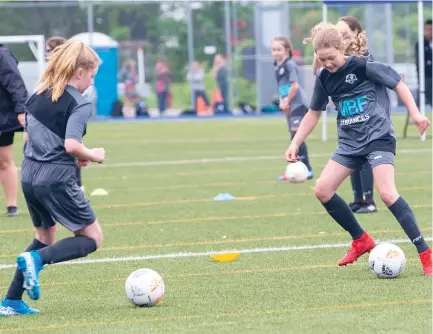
{"x":228,"y":257}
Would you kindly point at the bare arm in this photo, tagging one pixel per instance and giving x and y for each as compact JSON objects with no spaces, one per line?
{"x":79,"y":151}
{"x":406,"y":96}
{"x":307,"y":125}
{"x":285,"y":103}
{"x":294,"y":87}
{"x":421,"y":122}
{"x":75,"y":129}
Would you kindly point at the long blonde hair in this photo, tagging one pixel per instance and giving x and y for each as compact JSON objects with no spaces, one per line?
{"x":327,"y":35}
{"x":63,"y":63}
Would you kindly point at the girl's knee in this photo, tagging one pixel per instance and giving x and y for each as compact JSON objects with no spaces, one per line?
{"x":5,"y":164}
{"x":323,"y":191}
{"x":46,"y":236}
{"x":389,"y":197}
{"x":93,"y":232}
{"x":99,"y":237}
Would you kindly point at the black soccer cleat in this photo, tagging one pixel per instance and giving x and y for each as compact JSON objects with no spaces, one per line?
{"x":12,"y":211}
{"x":355,"y":206}
{"x":367,"y":207}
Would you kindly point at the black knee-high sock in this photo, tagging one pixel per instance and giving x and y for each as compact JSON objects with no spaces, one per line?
{"x":355,"y":179}
{"x":16,"y":289}
{"x":367,"y":182}
{"x":404,"y":214}
{"x":303,"y":152}
{"x":67,"y":249}
{"x":78,"y":174}
{"x":340,"y":211}
{"x":303,"y":155}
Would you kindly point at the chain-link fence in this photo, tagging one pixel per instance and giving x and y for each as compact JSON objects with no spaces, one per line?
{"x":162,"y":39}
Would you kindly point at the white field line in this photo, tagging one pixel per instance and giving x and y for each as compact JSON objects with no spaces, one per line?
{"x":228,"y":159}
{"x":202,"y":254}
{"x":123,"y":140}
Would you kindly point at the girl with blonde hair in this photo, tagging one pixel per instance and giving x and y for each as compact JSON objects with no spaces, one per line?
{"x":56,"y":121}
{"x":50,"y":45}
{"x":362,"y":178}
{"x":357,"y":87}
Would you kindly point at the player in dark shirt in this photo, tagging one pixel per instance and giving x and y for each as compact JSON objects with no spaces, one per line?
{"x":50,"y":45}
{"x":56,"y":120}
{"x":357,"y":87}
{"x":362,"y":178}
{"x":293,"y":100}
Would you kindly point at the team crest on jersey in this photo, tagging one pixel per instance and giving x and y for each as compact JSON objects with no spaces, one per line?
{"x":281,"y":70}
{"x":351,"y":78}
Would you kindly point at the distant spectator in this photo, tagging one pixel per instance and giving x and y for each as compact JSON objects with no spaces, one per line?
{"x":195,"y":76}
{"x":220,"y":73}
{"x":427,"y":60}
{"x":163,"y":77}
{"x":128,"y":76}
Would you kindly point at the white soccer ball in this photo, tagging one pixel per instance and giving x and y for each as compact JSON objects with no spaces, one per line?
{"x":144,"y":287}
{"x":296,"y":172}
{"x":387,"y":260}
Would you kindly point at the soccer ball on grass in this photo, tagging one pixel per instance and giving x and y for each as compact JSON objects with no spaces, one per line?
{"x":387,"y":260}
{"x":144,"y":287}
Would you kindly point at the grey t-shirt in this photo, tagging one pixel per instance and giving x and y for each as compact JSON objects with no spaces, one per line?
{"x":286,"y":73}
{"x":49,"y":123}
{"x":196,"y":79}
{"x":358,"y":90}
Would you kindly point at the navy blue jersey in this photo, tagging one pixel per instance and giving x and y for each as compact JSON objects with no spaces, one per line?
{"x":358,"y":90}
{"x":49,"y":123}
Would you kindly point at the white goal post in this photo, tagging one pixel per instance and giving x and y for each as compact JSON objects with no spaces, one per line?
{"x":37,"y":46}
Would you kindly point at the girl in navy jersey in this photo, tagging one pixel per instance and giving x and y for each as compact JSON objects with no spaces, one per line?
{"x":362,"y":178}
{"x":357,"y":87}
{"x":56,"y":121}
{"x":50,"y":45}
{"x":292,"y":97}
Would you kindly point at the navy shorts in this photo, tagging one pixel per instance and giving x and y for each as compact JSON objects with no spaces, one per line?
{"x":53,"y":195}
{"x":294,"y":122}
{"x":295,"y":118}
{"x":374,"y":158}
{"x":6,"y":138}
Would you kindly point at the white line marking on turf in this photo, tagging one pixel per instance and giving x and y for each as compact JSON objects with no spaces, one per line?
{"x":122,"y":140}
{"x":227,"y":159}
{"x":201,"y":254}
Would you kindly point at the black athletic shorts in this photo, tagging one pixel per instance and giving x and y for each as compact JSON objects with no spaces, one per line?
{"x":6,"y":138}
{"x":53,"y":195}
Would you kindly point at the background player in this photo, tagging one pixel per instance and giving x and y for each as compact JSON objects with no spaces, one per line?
{"x":292,"y":97}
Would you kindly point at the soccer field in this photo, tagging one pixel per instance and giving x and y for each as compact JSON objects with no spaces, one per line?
{"x":161,"y":178}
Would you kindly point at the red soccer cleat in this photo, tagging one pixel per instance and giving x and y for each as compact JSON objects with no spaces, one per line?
{"x":426,"y":260}
{"x":359,"y":247}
